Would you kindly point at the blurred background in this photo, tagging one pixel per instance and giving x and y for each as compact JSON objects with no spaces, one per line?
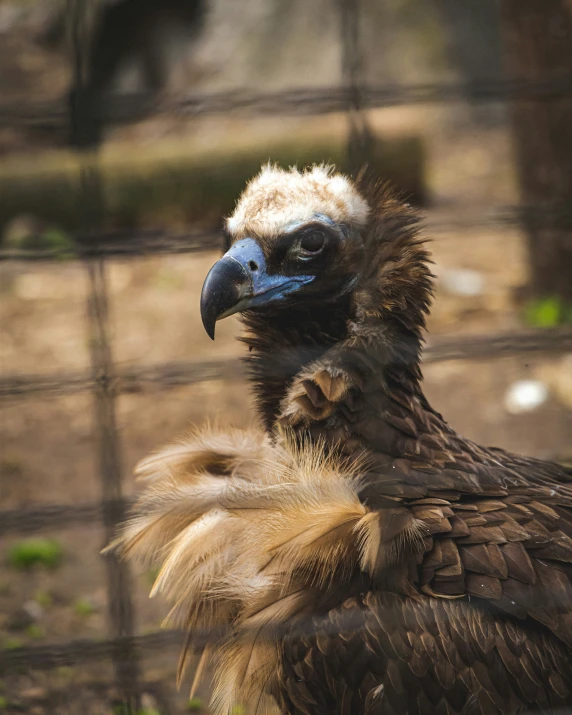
{"x":127,"y":130}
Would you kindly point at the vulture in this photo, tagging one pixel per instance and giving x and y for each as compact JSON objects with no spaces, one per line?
{"x":354,"y":555}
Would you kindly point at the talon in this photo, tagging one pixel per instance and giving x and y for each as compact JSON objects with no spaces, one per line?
{"x":333,"y":387}
{"x":316,"y":395}
{"x":313,"y":411}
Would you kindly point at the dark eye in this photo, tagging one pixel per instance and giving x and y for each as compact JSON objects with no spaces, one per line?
{"x":312,"y":243}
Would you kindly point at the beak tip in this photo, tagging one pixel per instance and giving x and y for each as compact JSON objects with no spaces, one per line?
{"x":209,"y":326}
{"x":223,"y":288}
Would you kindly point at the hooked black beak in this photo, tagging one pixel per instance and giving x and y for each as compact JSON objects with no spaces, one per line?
{"x":226,"y":284}
{"x":239,"y":281}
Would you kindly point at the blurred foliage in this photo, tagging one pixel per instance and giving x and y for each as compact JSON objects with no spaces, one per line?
{"x":57,"y":239}
{"x":24,"y":232}
{"x":43,"y":598}
{"x":170,"y":189}
{"x":547,"y":312}
{"x":11,"y":468}
{"x":35,"y":631}
{"x":12,"y":643}
{"x":65,"y":672}
{"x":35,"y":552}
{"x":195,"y":705}
{"x":83,"y":607}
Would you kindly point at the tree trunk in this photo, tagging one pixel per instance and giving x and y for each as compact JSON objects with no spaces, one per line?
{"x":538,"y":44}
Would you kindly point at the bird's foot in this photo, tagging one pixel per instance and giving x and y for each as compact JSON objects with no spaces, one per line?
{"x":315,"y":393}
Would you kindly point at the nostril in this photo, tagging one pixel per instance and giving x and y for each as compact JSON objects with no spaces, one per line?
{"x":253,"y":265}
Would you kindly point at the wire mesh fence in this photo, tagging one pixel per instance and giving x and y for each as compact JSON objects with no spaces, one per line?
{"x":82,"y":119}
{"x":123,"y":108}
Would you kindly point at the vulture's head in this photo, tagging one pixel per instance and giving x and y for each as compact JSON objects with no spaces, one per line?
{"x":310,"y":238}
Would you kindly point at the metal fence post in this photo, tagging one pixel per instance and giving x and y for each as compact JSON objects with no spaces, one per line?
{"x":360,"y":137}
{"x":85,"y":136}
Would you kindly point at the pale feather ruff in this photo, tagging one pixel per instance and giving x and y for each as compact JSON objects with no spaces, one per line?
{"x":247,"y":535}
{"x":277,"y":199}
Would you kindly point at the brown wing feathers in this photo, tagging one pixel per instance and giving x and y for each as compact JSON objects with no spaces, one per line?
{"x":252,"y":535}
{"x":516,"y":555}
{"x":403,"y":655}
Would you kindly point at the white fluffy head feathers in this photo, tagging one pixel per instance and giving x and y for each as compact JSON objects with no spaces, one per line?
{"x":276,"y":199}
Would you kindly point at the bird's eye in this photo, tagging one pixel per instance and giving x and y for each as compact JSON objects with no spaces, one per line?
{"x":312,"y":243}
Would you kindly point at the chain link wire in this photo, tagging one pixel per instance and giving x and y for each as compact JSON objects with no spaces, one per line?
{"x":129,"y":108}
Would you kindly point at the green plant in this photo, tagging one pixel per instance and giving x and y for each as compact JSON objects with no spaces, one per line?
{"x":35,"y":552}
{"x":35,"y":631}
{"x":43,"y":598}
{"x":60,"y":241}
{"x":83,"y":607}
{"x":547,"y":312}
{"x":3,"y":702}
{"x":65,"y":672}
{"x":11,"y":467}
{"x":195,"y":704}
{"x":12,"y":643}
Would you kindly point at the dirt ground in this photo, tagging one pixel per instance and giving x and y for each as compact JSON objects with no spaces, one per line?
{"x":49,"y":446}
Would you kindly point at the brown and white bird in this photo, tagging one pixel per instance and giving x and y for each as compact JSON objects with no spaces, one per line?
{"x":358,"y":555}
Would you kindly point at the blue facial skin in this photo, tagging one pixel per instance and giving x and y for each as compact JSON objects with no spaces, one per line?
{"x":240,"y":280}
{"x":264,"y":287}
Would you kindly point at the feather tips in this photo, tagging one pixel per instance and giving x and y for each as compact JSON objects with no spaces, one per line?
{"x":249,"y":536}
